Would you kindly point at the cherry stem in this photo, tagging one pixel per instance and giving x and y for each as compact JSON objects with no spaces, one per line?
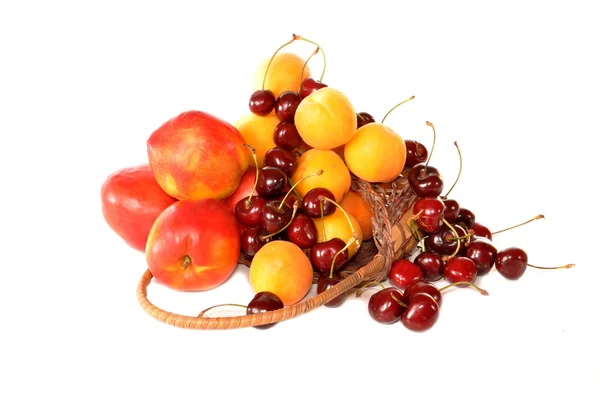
{"x":249,"y":201}
{"x":318,"y":173}
{"x":457,"y":239}
{"x":432,"y":145}
{"x":368,"y":285}
{"x":539,"y":216}
{"x":468,"y":235}
{"x":296,"y":37}
{"x":321,"y":198}
{"x":350,"y":241}
{"x":397,"y":105}
{"x":271,"y":60}
{"x":474,"y":286}
{"x":559,"y":267}
{"x":200,"y":315}
{"x":304,"y":67}
{"x":322,"y":221}
{"x":187,"y":261}
{"x":398,"y":300}
{"x":459,"y":172}
{"x":294,"y":210}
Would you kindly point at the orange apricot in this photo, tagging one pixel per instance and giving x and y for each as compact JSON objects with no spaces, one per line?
{"x":376,"y":153}
{"x":335,"y":176}
{"x":336,"y":225}
{"x":258,"y":133}
{"x":282,"y":268}
{"x":356,"y":206}
{"x":283,"y":74}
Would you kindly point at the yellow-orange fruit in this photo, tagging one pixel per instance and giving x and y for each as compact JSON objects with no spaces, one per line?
{"x":283,"y":75}
{"x":337,"y":226}
{"x":335,"y":177}
{"x":355,"y":205}
{"x":258,"y":131}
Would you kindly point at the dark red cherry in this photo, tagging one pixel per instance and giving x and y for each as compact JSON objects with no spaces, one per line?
{"x":286,"y":105}
{"x":460,"y":269}
{"x":451,"y":210}
{"x":325,"y":283}
{"x":249,"y":212}
{"x":302,"y":231}
{"x":286,"y":136}
{"x":425,"y":181}
{"x":271,"y":181}
{"x":282,"y":159}
{"x":423,"y":287}
{"x":322,"y":254}
{"x":430,"y":212}
{"x":415,"y":153}
{"x":403,"y":272}
{"x":264,"y":302}
{"x":422,"y":313}
{"x":483,"y":254}
{"x":251,"y":241}
{"x":311,"y":204}
{"x":511,"y":262}
{"x":442,"y":241}
{"x":262,"y":102}
{"x":309,"y":86}
{"x":363,"y":118}
{"x":275,"y":217}
{"x":465,"y":218}
{"x":431,"y":264}
{"x":481,"y":230}
{"x":385,"y":309}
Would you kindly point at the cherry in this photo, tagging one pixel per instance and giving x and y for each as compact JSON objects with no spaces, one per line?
{"x":322,"y":255}
{"x":481,"y":230}
{"x":511,"y":262}
{"x":275,"y":216}
{"x":431,"y":265}
{"x":262,"y":102}
{"x":312,"y":202}
{"x":483,"y":254}
{"x":302,"y":231}
{"x":248,"y":211}
{"x":286,"y":136}
{"x":451,"y":210}
{"x":403,"y":272}
{"x":460,"y":269}
{"x":264,"y":302}
{"x":326,"y":282}
{"x":385,"y":305}
{"x":415,"y":153}
{"x":309,"y":86}
{"x":286,"y":105}
{"x":466,"y":218}
{"x":421,"y":313}
{"x":251,"y":241}
{"x":363,"y":118}
{"x":422,"y":286}
{"x":445,"y":240}
{"x":282,"y":159}
{"x":425,"y":180}
{"x":271,"y":181}
{"x":429,"y":212}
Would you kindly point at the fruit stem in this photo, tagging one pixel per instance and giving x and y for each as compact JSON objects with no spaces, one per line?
{"x":459,"y":172}
{"x":474,"y":286}
{"x":321,"y":197}
{"x":397,"y":105}
{"x":318,"y":173}
{"x":304,"y":67}
{"x":249,"y":201}
{"x":200,"y":315}
{"x":294,"y":210}
{"x":296,"y":37}
{"x":398,"y":300}
{"x":457,"y":239}
{"x":322,"y":221}
{"x":187,"y":261}
{"x":468,"y":235}
{"x":271,"y":60}
{"x":350,"y":241}
{"x":518,"y":225}
{"x":432,"y":145}
{"x":559,"y":267}
{"x":368,"y":285}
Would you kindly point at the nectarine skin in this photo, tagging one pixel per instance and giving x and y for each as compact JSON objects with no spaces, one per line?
{"x":196,"y":155}
{"x":194,"y":245}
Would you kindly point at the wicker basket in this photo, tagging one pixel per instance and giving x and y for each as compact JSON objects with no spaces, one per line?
{"x":391,"y":205}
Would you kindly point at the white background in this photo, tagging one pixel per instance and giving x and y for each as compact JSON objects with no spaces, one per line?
{"x":83,"y":85}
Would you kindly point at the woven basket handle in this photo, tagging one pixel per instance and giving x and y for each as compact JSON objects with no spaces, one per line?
{"x":242,"y":321}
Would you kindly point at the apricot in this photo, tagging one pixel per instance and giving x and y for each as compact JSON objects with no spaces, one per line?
{"x":356,"y":206}
{"x":336,"y":226}
{"x":335,"y":177}
{"x":326,"y":119}
{"x":283,"y":74}
{"x":282,"y":268}
{"x":258,"y":132}
{"x":376,"y":153}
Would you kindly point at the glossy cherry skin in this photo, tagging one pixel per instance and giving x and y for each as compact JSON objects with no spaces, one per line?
{"x":511,"y":262}
{"x":325,"y":283}
{"x":422,"y":313}
{"x":451,"y":210}
{"x":422,"y":287}
{"x":383,"y":308}
{"x":466,"y":218}
{"x":481,"y":230}
{"x":483,"y":254}
{"x":250,"y":213}
{"x":425,"y":181}
{"x":403,"y":272}
{"x":311,"y":204}
{"x":415,"y":153}
{"x":286,"y":105}
{"x":309,"y":86}
{"x":264,"y":302}
{"x":302,"y":231}
{"x":251,"y":241}
{"x":430,"y":212}
{"x":363,"y":118}
{"x":460,"y":269}
{"x":286,"y":136}
{"x":431,"y":265}
{"x":282,"y":159}
{"x":322,"y":254}
{"x":262,"y":102}
{"x":443,"y":241}
{"x":271,"y":181}
{"x":275,"y":217}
